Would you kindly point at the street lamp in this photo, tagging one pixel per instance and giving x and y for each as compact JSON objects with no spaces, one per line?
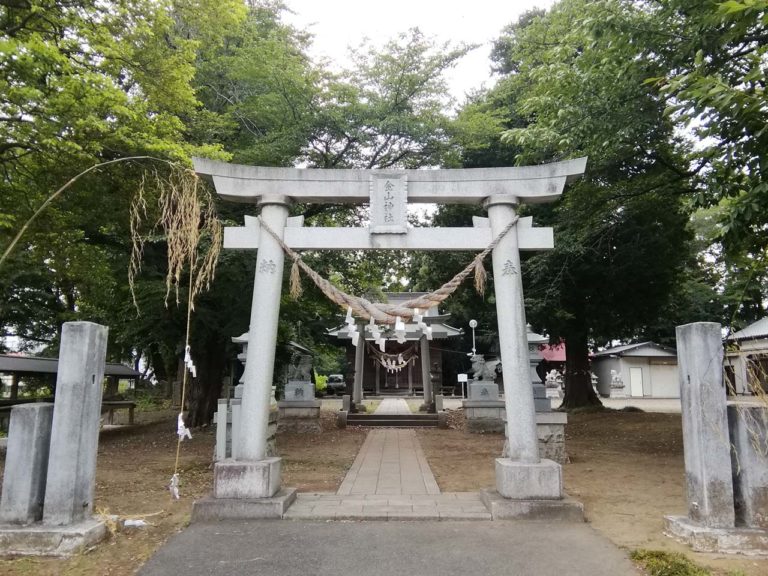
{"x":473,"y":325}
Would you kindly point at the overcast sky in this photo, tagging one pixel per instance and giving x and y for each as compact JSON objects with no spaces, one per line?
{"x":338,"y":24}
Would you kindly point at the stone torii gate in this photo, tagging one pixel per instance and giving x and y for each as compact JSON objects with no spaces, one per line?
{"x":522,"y":475}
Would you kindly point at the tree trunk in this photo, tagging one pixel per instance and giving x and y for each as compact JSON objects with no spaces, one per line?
{"x":15,"y":387}
{"x":112,"y":388}
{"x":578,"y":381}
{"x":203,"y":392}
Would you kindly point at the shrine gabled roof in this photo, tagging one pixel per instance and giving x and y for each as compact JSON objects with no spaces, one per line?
{"x":755,"y":330}
{"x":639,"y":349}
{"x":20,"y":364}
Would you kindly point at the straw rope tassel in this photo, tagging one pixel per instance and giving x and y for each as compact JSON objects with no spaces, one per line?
{"x":295,"y":280}
{"x":480,"y":276}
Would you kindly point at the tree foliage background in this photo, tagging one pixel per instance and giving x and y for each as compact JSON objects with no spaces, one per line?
{"x":668,"y":225}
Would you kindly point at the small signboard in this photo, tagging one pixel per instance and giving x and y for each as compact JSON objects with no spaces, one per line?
{"x":462,"y":377}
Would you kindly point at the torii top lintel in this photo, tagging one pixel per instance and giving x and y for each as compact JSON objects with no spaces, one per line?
{"x":530,"y":184}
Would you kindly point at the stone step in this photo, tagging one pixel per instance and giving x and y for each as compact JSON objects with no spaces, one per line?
{"x":393,"y":420}
{"x":394,"y":392}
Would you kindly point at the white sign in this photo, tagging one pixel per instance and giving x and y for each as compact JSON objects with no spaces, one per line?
{"x":389,"y":204}
{"x":462,"y":377}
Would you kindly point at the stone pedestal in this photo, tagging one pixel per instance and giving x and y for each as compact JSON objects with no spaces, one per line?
{"x":245,"y":479}
{"x":529,"y":481}
{"x":26,"y":464}
{"x":565,"y":509}
{"x":299,"y":391}
{"x":227,"y":419}
{"x":550,"y":428}
{"x":490,"y":417}
{"x":42,"y":540}
{"x":301,"y":417}
{"x":480,"y":390}
{"x":484,"y":416}
{"x":215,"y":509}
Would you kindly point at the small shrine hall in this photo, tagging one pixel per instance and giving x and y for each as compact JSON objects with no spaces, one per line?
{"x":397,"y":369}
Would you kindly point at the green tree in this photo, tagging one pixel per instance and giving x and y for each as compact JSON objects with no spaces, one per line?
{"x":620,"y":233}
{"x":711,"y":74}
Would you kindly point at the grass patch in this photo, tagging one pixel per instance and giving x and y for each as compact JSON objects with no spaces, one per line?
{"x":413,"y":405}
{"x":371,"y":405}
{"x":659,"y":563}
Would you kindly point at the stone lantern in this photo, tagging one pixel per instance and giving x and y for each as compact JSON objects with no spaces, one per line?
{"x":541,"y":402}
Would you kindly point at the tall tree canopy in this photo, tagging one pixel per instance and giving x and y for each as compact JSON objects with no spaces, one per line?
{"x":81,"y":83}
{"x":620,"y":233}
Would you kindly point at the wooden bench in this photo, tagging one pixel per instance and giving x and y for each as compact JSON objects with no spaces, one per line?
{"x":109,"y":406}
{"x":6,"y":405}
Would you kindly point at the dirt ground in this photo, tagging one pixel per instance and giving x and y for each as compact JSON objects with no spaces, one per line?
{"x":627,"y":469}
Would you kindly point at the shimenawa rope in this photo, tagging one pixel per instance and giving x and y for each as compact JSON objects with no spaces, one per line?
{"x":387,"y":313}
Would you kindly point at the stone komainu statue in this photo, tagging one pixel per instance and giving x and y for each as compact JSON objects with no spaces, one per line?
{"x":481,"y":370}
{"x":300,"y":367}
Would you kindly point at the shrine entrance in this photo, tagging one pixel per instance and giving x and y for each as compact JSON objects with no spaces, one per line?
{"x":520,"y":475}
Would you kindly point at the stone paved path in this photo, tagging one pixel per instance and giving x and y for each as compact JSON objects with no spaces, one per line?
{"x":390,"y":479}
{"x":393,"y":406}
{"x":390,"y":462}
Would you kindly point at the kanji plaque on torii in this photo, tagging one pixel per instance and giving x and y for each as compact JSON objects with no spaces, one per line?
{"x":389,"y":204}
{"x":520,"y":476}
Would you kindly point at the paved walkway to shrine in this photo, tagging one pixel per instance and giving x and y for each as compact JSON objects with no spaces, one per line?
{"x":393,"y":406}
{"x":390,"y":479}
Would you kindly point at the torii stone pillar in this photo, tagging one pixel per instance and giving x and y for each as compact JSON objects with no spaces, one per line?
{"x":357,"y":386}
{"x":426,"y":381}
{"x":522,"y":475}
{"x":510,"y":312}
{"x":252,"y":474}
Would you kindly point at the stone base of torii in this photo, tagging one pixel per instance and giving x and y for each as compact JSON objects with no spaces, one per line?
{"x":526,"y":485}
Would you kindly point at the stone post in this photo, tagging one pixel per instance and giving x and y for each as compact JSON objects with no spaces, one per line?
{"x":357,"y":387}
{"x":521,"y":475}
{"x":71,"y":476}
{"x":26,"y":464}
{"x":222,"y":424}
{"x":425,"y":376}
{"x":410,"y":378}
{"x":705,"y":425}
{"x":378,"y":378}
{"x":749,"y":438}
{"x":252,"y":474}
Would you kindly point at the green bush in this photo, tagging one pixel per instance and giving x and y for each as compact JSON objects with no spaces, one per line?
{"x":321,"y":383}
{"x":659,"y":563}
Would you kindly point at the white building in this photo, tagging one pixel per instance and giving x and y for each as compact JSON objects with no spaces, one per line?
{"x":638,"y":370}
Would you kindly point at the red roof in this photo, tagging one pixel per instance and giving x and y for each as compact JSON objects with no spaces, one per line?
{"x":555,"y":353}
